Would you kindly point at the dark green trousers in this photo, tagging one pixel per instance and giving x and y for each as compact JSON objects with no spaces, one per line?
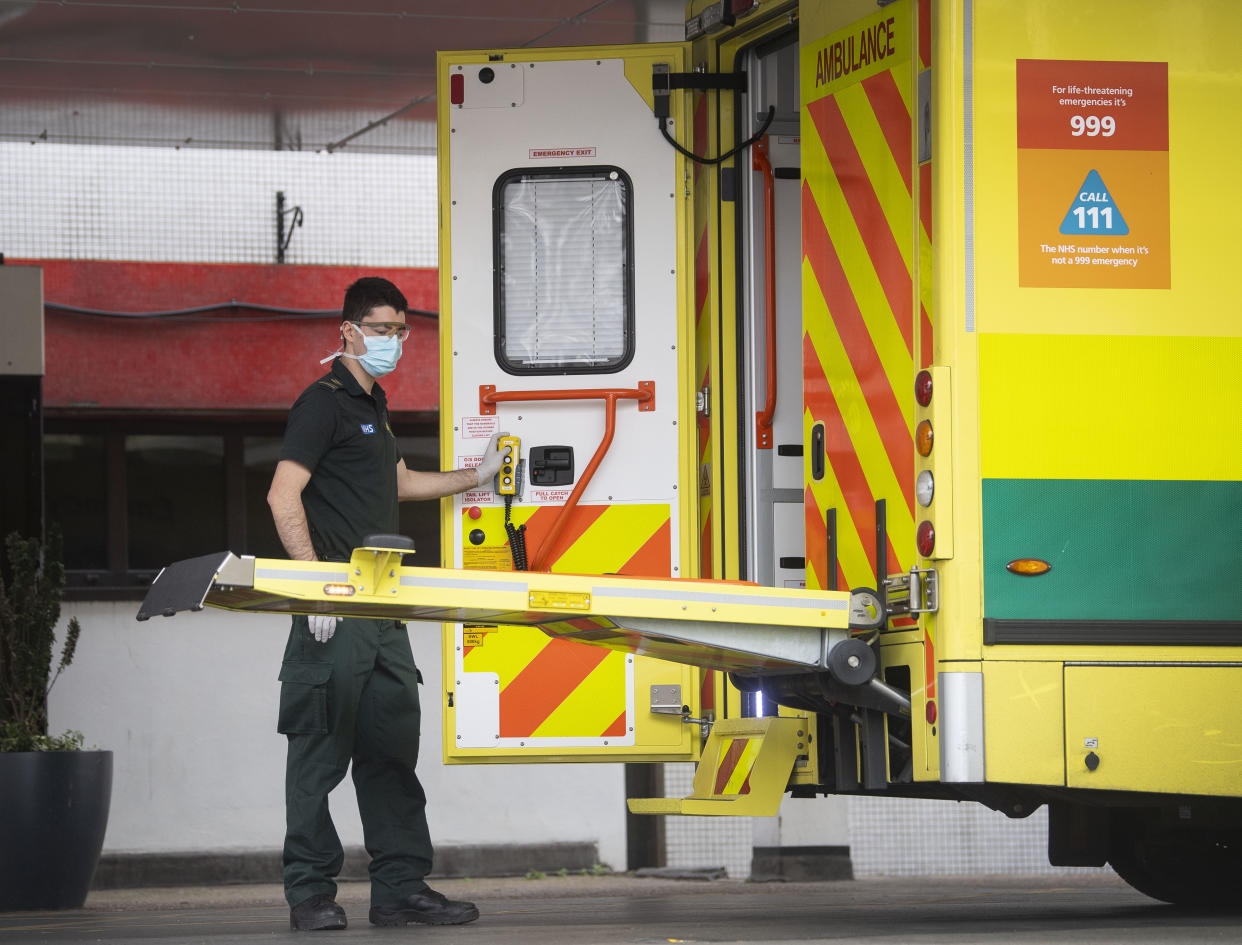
{"x":353,"y":699}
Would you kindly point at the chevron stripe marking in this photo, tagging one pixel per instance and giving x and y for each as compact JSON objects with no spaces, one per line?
{"x":544,"y":684}
{"x":654,"y":558}
{"x":616,"y":729}
{"x":589,"y":707}
{"x":841,"y":457}
{"x":733,"y":770}
{"x":613,"y":534}
{"x":886,"y":413}
{"x":867,"y":211}
{"x":890,"y":108}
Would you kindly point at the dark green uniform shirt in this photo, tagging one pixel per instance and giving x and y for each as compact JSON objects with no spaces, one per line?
{"x":341,"y":434}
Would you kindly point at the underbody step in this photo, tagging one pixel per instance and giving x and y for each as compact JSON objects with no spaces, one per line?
{"x":744,"y":770}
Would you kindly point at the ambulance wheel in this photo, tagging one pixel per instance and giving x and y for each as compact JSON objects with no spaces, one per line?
{"x":1187,"y":866}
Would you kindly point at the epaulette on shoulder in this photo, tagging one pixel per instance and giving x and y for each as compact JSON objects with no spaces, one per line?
{"x":331,"y":383}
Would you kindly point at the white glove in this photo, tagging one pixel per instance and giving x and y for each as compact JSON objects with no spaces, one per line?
{"x":490,"y":464}
{"x":323,"y":626}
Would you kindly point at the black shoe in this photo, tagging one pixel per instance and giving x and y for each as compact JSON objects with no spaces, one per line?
{"x":428,"y":907}
{"x":319,"y":913}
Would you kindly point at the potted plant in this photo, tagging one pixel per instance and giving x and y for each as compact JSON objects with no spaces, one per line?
{"x":54,"y":797}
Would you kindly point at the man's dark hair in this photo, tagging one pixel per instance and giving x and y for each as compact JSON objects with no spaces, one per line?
{"x":367,"y":293}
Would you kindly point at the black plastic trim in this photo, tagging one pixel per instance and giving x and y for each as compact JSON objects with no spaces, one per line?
{"x":1113,"y":632}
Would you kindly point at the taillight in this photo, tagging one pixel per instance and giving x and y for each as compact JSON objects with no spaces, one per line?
{"x":925,"y":539}
{"x":923,"y":388}
{"x":933,"y":463}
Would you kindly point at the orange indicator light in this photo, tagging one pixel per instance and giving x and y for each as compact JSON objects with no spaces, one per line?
{"x":923,"y":437}
{"x":1028,"y":567}
{"x":339,"y":590}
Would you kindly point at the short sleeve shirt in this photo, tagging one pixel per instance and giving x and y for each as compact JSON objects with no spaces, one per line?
{"x":341,"y":434}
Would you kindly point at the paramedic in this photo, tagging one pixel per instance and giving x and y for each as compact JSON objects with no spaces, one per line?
{"x":349,"y":685}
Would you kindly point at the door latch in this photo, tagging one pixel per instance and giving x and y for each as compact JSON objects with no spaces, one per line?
{"x":666,"y":700}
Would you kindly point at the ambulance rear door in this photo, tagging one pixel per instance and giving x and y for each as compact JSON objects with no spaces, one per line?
{"x":564,"y":288}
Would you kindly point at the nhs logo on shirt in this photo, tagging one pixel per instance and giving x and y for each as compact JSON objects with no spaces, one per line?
{"x":368,"y":428}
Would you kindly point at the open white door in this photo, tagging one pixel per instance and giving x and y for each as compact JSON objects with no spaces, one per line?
{"x":564,"y":277}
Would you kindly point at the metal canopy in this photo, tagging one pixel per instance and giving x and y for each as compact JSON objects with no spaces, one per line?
{"x":96,"y":71}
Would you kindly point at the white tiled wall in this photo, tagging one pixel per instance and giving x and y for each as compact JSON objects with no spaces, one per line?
{"x":888,"y":836}
{"x":215,"y":205}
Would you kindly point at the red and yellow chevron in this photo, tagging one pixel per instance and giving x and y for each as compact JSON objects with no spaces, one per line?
{"x":550,"y":687}
{"x":736,"y":760}
{"x":862,"y":268}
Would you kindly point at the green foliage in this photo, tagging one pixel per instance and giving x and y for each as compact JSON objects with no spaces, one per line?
{"x":29,"y":611}
{"x":14,"y":738}
{"x":535,"y":874}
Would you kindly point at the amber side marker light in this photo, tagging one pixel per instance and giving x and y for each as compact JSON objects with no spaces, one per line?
{"x":923,"y":437}
{"x":339,"y":590}
{"x":1028,"y":567}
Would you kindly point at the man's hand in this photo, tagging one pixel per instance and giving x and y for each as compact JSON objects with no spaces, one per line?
{"x":491,"y":462}
{"x":322,"y":627}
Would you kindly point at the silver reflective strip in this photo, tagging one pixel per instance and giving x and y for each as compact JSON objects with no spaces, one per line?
{"x":701,"y":597}
{"x":465,"y":584}
{"x":277,"y":574}
{"x":961,"y":728}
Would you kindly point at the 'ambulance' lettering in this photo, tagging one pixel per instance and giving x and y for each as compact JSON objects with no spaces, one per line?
{"x":845,"y":55}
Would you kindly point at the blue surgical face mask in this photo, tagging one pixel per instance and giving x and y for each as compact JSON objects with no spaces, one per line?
{"x":383,"y":353}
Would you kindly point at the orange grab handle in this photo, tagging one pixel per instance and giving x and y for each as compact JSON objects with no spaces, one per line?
{"x":644,"y":394}
{"x":760,"y":162}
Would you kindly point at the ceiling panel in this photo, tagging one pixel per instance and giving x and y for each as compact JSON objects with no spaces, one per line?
{"x":290,"y":73}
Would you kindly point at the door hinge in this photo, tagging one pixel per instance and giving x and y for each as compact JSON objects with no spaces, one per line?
{"x":915,"y":593}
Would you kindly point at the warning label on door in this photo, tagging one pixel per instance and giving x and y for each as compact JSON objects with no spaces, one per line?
{"x":1093,"y":174}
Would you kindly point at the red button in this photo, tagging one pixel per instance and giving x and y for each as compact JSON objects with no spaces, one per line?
{"x":474,"y":511}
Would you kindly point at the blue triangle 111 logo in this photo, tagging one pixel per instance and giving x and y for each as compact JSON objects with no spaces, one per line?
{"x":1093,"y":212}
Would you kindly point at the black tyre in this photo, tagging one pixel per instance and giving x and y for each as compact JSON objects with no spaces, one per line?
{"x":1181,"y":864}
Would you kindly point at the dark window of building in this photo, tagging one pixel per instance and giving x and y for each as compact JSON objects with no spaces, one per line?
{"x":133,"y":496}
{"x":175,"y":492}
{"x":75,"y":482}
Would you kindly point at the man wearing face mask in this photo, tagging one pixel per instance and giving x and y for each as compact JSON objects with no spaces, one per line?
{"x":349,"y":686}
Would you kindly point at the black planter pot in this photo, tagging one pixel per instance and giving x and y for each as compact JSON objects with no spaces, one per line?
{"x":53,"y":814}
